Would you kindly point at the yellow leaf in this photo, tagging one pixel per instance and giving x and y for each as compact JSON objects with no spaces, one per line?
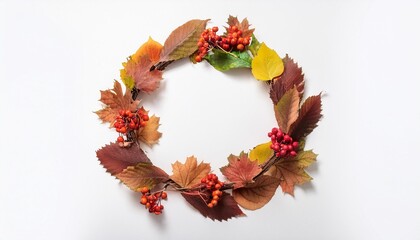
{"x":261,"y":153}
{"x":267,"y":64}
{"x":127,"y":80}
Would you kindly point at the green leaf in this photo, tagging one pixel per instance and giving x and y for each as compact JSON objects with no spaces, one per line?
{"x":224,"y":61}
{"x":255,"y":45}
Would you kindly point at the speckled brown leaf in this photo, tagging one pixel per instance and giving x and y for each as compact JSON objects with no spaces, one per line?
{"x":255,"y":195}
{"x":150,"y":134}
{"x":190,"y":173}
{"x":142,"y":175}
{"x":309,"y":115}
{"x":114,"y":100}
{"x":240,"y":170}
{"x":115,"y":158}
{"x":292,"y":76}
{"x":224,"y":210}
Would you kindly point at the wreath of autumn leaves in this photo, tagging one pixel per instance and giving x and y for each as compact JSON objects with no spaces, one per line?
{"x":251,"y":178}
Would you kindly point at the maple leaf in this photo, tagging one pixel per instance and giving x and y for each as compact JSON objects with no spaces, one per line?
{"x":292,"y":76}
{"x":243,"y":26}
{"x":261,"y":153}
{"x":115,"y":158}
{"x":287,"y":109}
{"x":149,"y":133}
{"x":225,"y":209}
{"x":115,"y":100}
{"x":189,"y":174}
{"x":267,"y":64}
{"x":255,"y":195}
{"x":240,"y":170}
{"x":142,"y":175}
{"x":291,"y":171}
{"x":309,"y":115}
{"x":182,"y":42}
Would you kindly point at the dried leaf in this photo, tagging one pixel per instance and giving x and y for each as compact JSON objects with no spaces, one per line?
{"x":267,"y":64}
{"x":240,"y":170}
{"x":224,"y":210}
{"x":309,"y":115}
{"x":255,"y":195}
{"x":243,"y":26}
{"x":115,"y":158}
{"x":115,"y":100}
{"x":254,"y":46}
{"x":150,"y":49}
{"x":141,"y":175}
{"x":149,"y":134}
{"x":287,"y":109}
{"x":224,"y":61}
{"x":261,"y":153}
{"x":291,"y":171}
{"x":189,"y":174}
{"x":182,"y":42}
{"x":292,"y":76}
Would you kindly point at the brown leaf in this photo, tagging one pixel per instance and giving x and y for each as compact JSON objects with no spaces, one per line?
{"x":115,"y":100}
{"x":115,"y":158}
{"x":292,"y":76}
{"x":144,"y":79}
{"x":243,"y":26}
{"x":309,"y":115}
{"x":240,"y":170}
{"x":287,"y":109}
{"x":142,"y":175}
{"x":225,"y":209}
{"x":255,"y":195}
{"x":189,"y":174}
{"x":149,"y":134}
{"x":291,"y":171}
{"x":182,"y":42}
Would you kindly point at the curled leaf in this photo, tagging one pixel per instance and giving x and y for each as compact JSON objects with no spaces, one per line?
{"x":190,"y":173}
{"x":261,"y":153}
{"x":267,"y":64}
{"x":240,"y":170}
{"x":142,"y":175}
{"x":255,"y":195}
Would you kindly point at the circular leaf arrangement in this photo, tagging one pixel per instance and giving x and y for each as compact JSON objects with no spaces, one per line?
{"x":251,"y":179}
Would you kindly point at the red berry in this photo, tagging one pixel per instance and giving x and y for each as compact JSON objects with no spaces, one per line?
{"x":143,"y":200}
{"x":198,"y":58}
{"x":120,"y":139}
{"x":295,"y":145}
{"x":144,"y":190}
{"x":214,"y":202}
{"x":210,"y":205}
{"x":293,"y":153}
{"x":215,"y":29}
{"x":217,"y":186}
{"x":164,"y":195}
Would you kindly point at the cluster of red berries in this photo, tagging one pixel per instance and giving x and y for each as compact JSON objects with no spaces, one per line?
{"x":282,"y":144}
{"x":212,"y":184}
{"x":128,"y":121}
{"x":152,"y":201}
{"x":232,"y":41}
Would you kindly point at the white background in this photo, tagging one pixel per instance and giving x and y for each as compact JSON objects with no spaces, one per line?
{"x":56,"y":56}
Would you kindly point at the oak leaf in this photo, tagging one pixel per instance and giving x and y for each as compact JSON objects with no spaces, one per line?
{"x":115,"y":158}
{"x":261,"y":153}
{"x":190,"y":173}
{"x":243,"y":26}
{"x":292,"y":76}
{"x":182,"y":42}
{"x":142,"y":175}
{"x":255,"y":195}
{"x":291,"y":171}
{"x":114,"y":100}
{"x":287,"y":109}
{"x":149,"y":133}
{"x":240,"y":170}
{"x":225,"y":209}
{"x":267,"y":64}
{"x":309,"y":115}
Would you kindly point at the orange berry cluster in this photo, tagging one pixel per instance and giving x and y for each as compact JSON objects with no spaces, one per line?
{"x":233,"y":40}
{"x":152,"y":201}
{"x":212,"y":184}
{"x":128,"y":121}
{"x":282,"y":144}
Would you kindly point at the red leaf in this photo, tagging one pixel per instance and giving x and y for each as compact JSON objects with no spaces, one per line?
{"x":292,"y":76}
{"x":257,"y":194}
{"x":243,"y":26}
{"x":145,"y":80}
{"x":309,"y":115}
{"x":240,"y":170}
{"x":225,"y":209}
{"x":142,"y":175}
{"x":115,"y":158}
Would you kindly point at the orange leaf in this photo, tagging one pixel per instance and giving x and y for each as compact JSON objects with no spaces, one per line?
{"x":189,"y":174}
{"x":287,"y":109}
{"x":240,"y":170}
{"x":142,"y":175}
{"x":115,"y":100}
{"x":151,"y":49}
{"x":291,"y":171}
{"x":149,"y":134}
{"x":257,"y":194}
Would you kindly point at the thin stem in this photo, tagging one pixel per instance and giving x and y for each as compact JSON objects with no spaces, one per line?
{"x":267,"y":165}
